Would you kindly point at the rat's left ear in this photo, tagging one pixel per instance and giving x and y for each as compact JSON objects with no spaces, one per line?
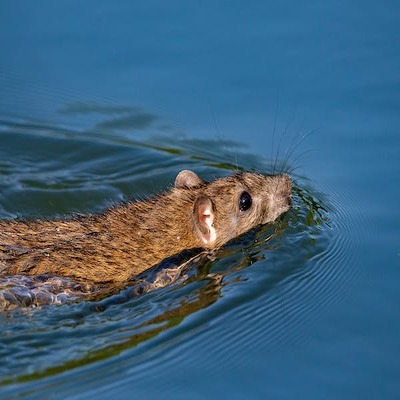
{"x":187,"y":179}
{"x":203,"y":216}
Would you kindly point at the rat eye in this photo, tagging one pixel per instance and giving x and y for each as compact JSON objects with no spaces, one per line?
{"x":245,"y":201}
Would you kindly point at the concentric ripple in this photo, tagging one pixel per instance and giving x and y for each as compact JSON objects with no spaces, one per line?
{"x":268,"y":284}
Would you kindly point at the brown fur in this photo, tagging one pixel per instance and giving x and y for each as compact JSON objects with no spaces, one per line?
{"x":128,"y":239}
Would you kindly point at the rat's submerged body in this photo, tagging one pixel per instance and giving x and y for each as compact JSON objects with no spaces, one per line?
{"x":128,"y":239}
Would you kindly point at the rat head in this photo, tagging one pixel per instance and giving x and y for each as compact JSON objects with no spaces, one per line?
{"x":230,"y":206}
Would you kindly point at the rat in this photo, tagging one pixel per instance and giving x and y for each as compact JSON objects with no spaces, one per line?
{"x":127,"y":239}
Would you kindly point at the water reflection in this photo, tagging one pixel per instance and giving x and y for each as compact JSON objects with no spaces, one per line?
{"x":208,"y":291}
{"x":121,"y":318}
{"x":49,"y":162}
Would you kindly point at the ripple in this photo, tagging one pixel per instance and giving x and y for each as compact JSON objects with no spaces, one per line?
{"x":269,"y":285}
{"x":286,"y":307}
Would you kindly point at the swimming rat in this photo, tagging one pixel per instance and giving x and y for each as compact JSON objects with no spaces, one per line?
{"x":127,"y":239}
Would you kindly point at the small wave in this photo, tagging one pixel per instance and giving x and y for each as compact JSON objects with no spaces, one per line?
{"x":35,"y":291}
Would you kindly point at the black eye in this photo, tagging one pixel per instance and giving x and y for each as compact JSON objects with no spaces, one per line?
{"x":245,"y":201}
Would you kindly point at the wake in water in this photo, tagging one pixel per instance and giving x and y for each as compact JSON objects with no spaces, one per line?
{"x":39,"y":290}
{"x":36,"y":291}
{"x":94,"y":323}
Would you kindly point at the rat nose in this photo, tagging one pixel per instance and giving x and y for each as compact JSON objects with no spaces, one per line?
{"x":283,"y":190}
{"x":284,"y":185}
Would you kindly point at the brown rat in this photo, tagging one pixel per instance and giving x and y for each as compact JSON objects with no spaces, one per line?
{"x":127,"y":239}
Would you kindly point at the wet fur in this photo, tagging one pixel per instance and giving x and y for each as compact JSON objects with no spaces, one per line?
{"x":128,"y":239}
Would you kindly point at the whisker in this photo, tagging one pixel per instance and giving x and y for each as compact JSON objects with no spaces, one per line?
{"x":285,"y":131}
{"x":291,"y":150}
{"x":274,"y":132}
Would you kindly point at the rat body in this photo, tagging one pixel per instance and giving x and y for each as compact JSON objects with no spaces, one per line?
{"x":127,"y":239}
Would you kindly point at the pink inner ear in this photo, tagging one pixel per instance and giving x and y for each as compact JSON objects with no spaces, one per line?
{"x":206,"y":214}
{"x":204,"y":217}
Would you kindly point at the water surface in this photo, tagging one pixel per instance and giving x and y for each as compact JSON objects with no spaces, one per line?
{"x":101,"y":103}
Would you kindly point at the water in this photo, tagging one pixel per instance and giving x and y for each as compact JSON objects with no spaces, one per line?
{"x":103,"y":102}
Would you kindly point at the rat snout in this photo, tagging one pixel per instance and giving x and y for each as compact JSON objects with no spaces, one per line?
{"x":287,"y":188}
{"x":283,"y":188}
{"x":280,"y":197}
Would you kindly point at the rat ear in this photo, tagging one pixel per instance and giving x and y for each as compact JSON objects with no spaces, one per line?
{"x":187,"y":179}
{"x":203,"y":215}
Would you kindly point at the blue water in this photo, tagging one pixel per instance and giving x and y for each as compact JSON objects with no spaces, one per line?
{"x":101,"y":102}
